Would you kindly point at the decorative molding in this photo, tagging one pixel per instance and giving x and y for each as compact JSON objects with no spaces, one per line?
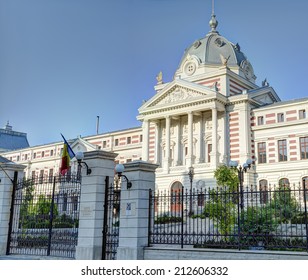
{"x":177,"y":93}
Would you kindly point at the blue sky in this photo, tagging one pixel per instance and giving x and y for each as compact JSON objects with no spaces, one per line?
{"x":64,"y":62}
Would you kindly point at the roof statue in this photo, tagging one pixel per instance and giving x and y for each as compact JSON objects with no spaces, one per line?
{"x":224,"y":60}
{"x":265,"y":83}
{"x":159,"y":77}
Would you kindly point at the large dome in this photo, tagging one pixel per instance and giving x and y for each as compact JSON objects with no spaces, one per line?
{"x":215,"y":50}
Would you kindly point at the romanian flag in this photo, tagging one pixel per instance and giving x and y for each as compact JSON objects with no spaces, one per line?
{"x":67,"y":155}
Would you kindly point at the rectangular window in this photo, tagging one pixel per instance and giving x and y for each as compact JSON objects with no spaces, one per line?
{"x":116,"y":142}
{"x":209,"y":150}
{"x":26,"y":156}
{"x":51,"y":153}
{"x":302,"y":114}
{"x":304,"y":147}
{"x":33,"y":174}
{"x":41,"y":177}
{"x":34,"y":155}
{"x":104,"y":144}
{"x":262,"y":152}
{"x":74,"y":201}
{"x":129,"y":160}
{"x":201,"y":199}
{"x":280,"y":117}
{"x":282,"y":150}
{"x":128,"y":140}
{"x":50,"y":176}
{"x":260,"y":120}
{"x":64,"y":204}
{"x":43,"y":154}
{"x":141,"y":138}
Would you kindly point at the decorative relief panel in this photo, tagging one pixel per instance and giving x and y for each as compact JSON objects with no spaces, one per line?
{"x":177,"y":94}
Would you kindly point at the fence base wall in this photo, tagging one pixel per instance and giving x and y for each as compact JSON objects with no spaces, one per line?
{"x":127,"y":253}
{"x":152,"y":253}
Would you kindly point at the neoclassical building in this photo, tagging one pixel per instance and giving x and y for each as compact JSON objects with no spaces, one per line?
{"x":210,"y":113}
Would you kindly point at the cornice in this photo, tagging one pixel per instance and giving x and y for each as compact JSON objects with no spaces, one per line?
{"x":185,"y":106}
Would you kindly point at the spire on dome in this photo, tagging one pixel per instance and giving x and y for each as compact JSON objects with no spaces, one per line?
{"x":213,"y":22}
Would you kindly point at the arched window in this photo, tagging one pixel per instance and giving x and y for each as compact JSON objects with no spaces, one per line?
{"x":263,"y":191}
{"x":284,"y":182}
{"x":176,"y":197}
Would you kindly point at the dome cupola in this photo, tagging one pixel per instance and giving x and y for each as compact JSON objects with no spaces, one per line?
{"x":214,"y":51}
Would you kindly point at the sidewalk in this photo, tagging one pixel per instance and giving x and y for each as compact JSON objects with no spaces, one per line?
{"x":31,"y":257}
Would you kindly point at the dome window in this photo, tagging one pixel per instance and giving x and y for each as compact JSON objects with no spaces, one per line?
{"x":219,"y":42}
{"x":197,"y":44}
{"x":190,"y":68}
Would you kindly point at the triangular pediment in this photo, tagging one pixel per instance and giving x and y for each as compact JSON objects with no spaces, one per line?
{"x":177,"y":92}
{"x":264,"y":96}
{"x":264,"y":99}
{"x":81,"y":145}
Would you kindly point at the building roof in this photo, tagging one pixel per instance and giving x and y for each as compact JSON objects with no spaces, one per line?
{"x":215,"y":50}
{"x":12,"y":140}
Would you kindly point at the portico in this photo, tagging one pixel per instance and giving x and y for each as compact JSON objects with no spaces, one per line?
{"x":187,"y":134}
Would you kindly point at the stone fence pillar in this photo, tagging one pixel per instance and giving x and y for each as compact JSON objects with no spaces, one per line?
{"x":134,"y":216}
{"x":8,"y":172}
{"x":92,"y":204}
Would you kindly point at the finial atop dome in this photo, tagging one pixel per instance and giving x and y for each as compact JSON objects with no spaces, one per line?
{"x":213,"y":22}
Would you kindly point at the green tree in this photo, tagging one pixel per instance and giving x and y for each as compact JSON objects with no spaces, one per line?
{"x":284,"y":204}
{"x":25,"y":208}
{"x":258,"y":224}
{"x":221,"y":206}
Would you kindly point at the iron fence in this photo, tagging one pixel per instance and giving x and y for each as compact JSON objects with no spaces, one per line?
{"x":272,"y":219}
{"x":111,"y":222}
{"x":45,"y":216}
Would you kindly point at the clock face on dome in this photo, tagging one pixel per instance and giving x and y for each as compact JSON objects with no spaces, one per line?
{"x":247,"y":69}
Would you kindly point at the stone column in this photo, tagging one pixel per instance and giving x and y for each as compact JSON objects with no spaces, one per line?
{"x":134,"y":217}
{"x":178,"y":146}
{"x":189,"y":161}
{"x":214,"y":154}
{"x":92,"y":204}
{"x":245,"y":137}
{"x":201,"y":155}
{"x":245,"y":141}
{"x":167,"y":145}
{"x":157,"y":142}
{"x":8,"y":172}
{"x":145,"y":141}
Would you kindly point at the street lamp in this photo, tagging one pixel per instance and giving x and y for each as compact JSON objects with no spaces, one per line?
{"x":191,"y":177}
{"x":80,"y":156}
{"x":240,"y":172}
{"x":119,"y":169}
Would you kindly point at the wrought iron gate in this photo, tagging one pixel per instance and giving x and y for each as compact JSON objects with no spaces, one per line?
{"x":111,"y":220}
{"x":45,"y":216}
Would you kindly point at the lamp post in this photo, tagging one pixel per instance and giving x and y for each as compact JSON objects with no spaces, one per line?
{"x":80,"y":156}
{"x":240,"y":172}
{"x":191,"y":178}
{"x":119,"y":169}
